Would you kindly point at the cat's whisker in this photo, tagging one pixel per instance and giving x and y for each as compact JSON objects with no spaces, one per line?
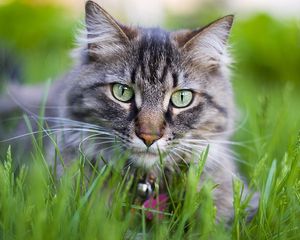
{"x":158,"y":166}
{"x":86,"y":149}
{"x":122,"y":136}
{"x":36,"y":117}
{"x":191,"y":141}
{"x":128,"y":163}
{"x":227,"y":152}
{"x":99,"y":136}
{"x":173,"y":151}
{"x":193,"y":147}
{"x":116,"y":139}
{"x":187,"y":148}
{"x":172,"y":159}
{"x":90,"y":153}
{"x":75,"y":127}
{"x":112,"y":139}
{"x":185,"y":151}
{"x":208,"y":141}
{"x":67,"y":124}
{"x":218,"y":163}
{"x":83,"y":130}
{"x":55,"y":131}
{"x":105,"y":142}
{"x":85,"y":139}
{"x":70,"y":123}
{"x":113,"y":145}
{"x":47,"y":131}
{"x":190,"y":153}
{"x":73,"y":122}
{"x":180,"y":157}
{"x":112,"y":148}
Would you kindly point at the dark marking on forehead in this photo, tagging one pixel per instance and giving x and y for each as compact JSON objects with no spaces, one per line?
{"x":175,"y":79}
{"x":164,"y":74}
{"x":133,"y":75}
{"x":143,"y":46}
{"x":155,"y":55}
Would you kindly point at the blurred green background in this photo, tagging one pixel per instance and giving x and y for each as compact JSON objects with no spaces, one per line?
{"x":38,"y":37}
{"x":266,"y":51}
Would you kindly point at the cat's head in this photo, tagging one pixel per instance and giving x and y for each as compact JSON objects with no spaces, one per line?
{"x":152,"y":88}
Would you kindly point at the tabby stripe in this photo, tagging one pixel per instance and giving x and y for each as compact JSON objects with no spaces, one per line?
{"x":168,"y":115}
{"x":133,"y":76}
{"x":142,"y":49}
{"x":175,"y":79}
{"x":197,"y":109}
{"x":211,"y":102}
{"x":133,"y":111}
{"x":94,"y":86}
{"x":164,"y":74}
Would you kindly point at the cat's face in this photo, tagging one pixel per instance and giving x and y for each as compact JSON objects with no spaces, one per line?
{"x":151,"y":88}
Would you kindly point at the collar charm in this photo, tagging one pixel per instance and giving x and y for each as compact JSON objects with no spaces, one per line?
{"x":147,"y":191}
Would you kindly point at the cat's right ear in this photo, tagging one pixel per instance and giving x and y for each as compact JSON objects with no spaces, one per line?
{"x":105,"y":37}
{"x":206,"y":46}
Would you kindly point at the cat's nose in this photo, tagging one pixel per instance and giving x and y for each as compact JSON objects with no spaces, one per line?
{"x":149,"y":133}
{"x":149,"y":139}
{"x":149,"y":126}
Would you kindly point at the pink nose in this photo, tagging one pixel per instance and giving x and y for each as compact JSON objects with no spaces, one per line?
{"x":149,"y":126}
{"x":148,"y":139}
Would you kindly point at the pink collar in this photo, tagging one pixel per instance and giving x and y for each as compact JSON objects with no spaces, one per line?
{"x":159,"y":203}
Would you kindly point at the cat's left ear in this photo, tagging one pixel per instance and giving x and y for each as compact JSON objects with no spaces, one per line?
{"x":105,"y":37}
{"x":206,"y":46}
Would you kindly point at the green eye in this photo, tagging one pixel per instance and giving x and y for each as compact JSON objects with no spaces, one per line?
{"x":122,"y":92}
{"x":182,"y":98}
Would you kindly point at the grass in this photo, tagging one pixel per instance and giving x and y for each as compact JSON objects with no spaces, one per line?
{"x":36,"y":205}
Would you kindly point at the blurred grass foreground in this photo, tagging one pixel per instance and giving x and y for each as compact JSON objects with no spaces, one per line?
{"x":33,"y":205}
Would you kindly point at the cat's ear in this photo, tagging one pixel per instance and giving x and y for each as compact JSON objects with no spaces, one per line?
{"x":208,"y":45}
{"x":105,"y":36}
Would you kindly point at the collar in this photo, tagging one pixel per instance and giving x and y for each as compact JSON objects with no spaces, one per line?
{"x":149,"y":196}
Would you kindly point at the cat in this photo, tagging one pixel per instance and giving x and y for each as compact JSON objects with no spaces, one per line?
{"x":149,"y":91}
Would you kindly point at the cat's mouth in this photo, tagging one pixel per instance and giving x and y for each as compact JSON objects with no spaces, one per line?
{"x":145,"y":152}
{"x":141,"y":148}
{"x":146,"y":157}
